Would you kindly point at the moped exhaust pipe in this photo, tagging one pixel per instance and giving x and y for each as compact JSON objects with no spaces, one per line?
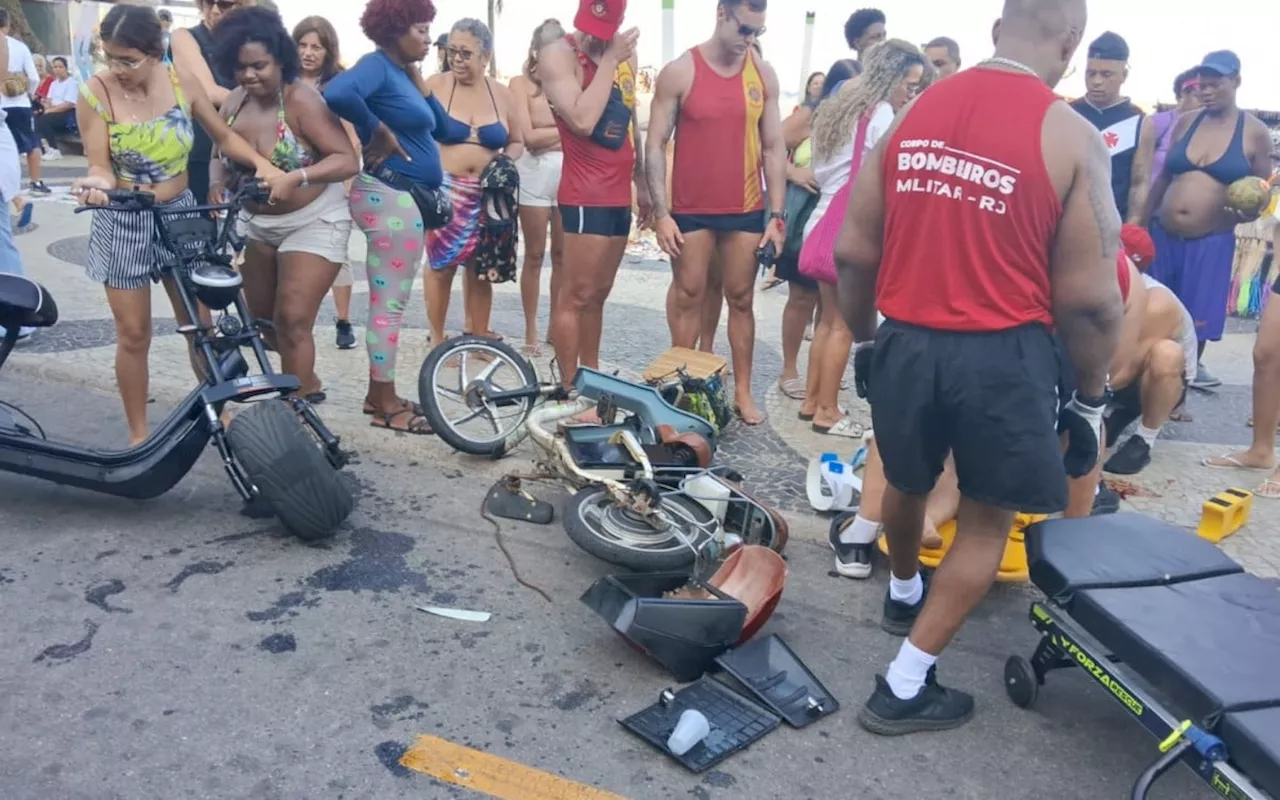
{"x":540,"y":425}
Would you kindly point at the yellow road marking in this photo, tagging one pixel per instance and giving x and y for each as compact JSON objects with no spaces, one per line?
{"x":493,"y":775}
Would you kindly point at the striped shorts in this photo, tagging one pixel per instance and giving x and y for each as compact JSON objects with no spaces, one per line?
{"x":125,"y":248}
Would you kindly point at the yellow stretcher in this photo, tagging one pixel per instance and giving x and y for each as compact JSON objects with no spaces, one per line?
{"x":1013,"y":567}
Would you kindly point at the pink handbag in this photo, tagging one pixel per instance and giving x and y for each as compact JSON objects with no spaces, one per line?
{"x":817,"y":254}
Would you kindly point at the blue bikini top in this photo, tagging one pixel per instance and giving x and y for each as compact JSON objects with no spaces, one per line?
{"x":1230,"y":167}
{"x":451,"y":130}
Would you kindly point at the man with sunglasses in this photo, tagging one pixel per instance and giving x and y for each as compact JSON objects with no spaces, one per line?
{"x":721,"y":99}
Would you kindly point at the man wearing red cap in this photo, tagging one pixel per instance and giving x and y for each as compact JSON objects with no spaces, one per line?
{"x":721,"y":99}
{"x":589,"y":79}
{"x":1154,"y":363}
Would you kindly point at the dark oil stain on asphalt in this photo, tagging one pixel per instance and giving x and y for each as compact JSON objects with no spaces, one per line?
{"x":279,"y":643}
{"x":377,"y":564}
{"x":284,"y":604}
{"x":720,"y":780}
{"x":198,"y":568}
{"x":399,"y":709}
{"x":106,"y":554}
{"x":577,"y":698}
{"x":389,"y":753}
{"x":97,"y":595}
{"x":66,"y":652}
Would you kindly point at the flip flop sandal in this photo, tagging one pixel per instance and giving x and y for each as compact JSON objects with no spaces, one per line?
{"x":1232,"y":463}
{"x":316,"y":398}
{"x":804,"y":417}
{"x":409,"y":405}
{"x":416,"y":425}
{"x":793,"y":388}
{"x":1268,"y":489}
{"x":771,"y":284}
{"x":497,"y":337}
{"x":845,"y":428}
{"x":531,"y":351}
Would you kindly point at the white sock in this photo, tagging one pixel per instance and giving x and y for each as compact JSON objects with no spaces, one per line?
{"x":860,"y":531}
{"x":1147,"y":434}
{"x":907,"y":672}
{"x":909,"y":591}
{"x":1097,"y":490}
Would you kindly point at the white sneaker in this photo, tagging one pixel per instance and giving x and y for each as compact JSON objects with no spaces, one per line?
{"x":52,"y":154}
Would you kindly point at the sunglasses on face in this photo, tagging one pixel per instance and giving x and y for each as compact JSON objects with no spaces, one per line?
{"x":746,"y":31}
{"x":223,"y":5}
{"x":458,"y":54}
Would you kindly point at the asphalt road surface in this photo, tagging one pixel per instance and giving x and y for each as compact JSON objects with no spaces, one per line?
{"x":174,"y":649}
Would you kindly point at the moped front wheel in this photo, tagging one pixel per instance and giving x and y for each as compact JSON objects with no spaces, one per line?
{"x":476,"y":392}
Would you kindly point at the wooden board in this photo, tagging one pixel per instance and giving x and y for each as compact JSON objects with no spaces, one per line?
{"x":695,"y":363}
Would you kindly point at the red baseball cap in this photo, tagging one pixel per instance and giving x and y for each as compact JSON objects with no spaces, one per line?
{"x":1138,"y":246}
{"x":600,"y":18}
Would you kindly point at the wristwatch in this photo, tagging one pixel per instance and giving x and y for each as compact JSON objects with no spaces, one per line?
{"x":780,"y":216}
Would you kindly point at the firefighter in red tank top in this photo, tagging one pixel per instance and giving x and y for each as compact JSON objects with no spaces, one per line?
{"x":1014,"y":190}
{"x":589,"y":80}
{"x":722,"y":101}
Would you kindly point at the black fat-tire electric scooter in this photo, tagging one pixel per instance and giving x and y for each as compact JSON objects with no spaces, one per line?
{"x":280,"y":456}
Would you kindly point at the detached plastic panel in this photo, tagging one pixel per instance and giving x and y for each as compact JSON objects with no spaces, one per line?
{"x":736,"y":723}
{"x":772,"y":672}
{"x":683,"y":635}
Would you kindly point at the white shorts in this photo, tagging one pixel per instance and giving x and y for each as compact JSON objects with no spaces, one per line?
{"x":539,"y":178}
{"x":322,"y":227}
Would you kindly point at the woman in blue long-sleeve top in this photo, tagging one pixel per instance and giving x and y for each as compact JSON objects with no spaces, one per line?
{"x":381,"y":97}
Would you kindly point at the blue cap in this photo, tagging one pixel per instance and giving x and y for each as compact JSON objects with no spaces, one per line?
{"x":1221,"y":62}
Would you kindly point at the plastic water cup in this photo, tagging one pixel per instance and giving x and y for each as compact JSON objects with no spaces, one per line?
{"x":692,"y":728}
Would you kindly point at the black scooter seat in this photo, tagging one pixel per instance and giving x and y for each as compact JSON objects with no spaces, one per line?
{"x":1253,"y":742}
{"x":25,"y":303}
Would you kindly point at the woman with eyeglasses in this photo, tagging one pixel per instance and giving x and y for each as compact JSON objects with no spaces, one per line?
{"x":478,"y":131}
{"x":136,"y":123}
{"x":191,"y":51}
{"x":298,"y":241}
{"x":318,"y":51}
{"x":382,"y":97}
{"x":895,"y":71}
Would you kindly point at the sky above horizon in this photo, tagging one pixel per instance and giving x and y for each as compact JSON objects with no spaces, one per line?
{"x":1160,"y":46}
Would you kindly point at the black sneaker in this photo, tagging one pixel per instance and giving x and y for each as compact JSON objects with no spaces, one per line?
{"x":38,"y":187}
{"x":346,"y":338}
{"x":934,"y":708}
{"x":1132,"y":457}
{"x":898,"y":617}
{"x":852,"y":560}
{"x":1105,"y":501}
{"x":1117,"y":419}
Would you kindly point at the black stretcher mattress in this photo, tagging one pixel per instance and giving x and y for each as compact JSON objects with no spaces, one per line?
{"x":1065,"y":555}
{"x":1253,"y":741}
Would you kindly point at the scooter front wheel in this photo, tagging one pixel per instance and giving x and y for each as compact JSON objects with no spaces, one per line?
{"x":457,"y":386}
{"x":619,"y":536}
{"x":291,"y":473}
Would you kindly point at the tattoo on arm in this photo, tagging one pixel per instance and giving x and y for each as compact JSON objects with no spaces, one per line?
{"x":1101,"y":200}
{"x":655,"y":163}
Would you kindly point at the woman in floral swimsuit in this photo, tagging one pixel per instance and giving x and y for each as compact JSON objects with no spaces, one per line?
{"x":298,"y":243}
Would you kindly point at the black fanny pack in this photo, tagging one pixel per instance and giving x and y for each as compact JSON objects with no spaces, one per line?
{"x":436,"y":210}
{"x":614,"y":127}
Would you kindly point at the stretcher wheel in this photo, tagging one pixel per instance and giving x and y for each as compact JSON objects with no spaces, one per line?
{"x":1020,"y":682}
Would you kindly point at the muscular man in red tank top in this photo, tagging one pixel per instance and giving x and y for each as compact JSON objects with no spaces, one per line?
{"x":1014,"y":189}
{"x":721,"y":99}
{"x":589,"y":80}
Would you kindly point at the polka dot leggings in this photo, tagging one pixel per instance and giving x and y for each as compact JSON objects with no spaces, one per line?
{"x":393,"y":227}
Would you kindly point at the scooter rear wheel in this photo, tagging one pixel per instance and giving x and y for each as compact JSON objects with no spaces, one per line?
{"x":610,"y":533}
{"x":483,"y":365}
{"x":293,"y":476}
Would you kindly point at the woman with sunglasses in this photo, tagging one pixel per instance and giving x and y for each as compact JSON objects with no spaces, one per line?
{"x":318,"y":51}
{"x":298,"y":241}
{"x":476,"y":123}
{"x":382,"y":97}
{"x":191,"y":51}
{"x":136,"y":122}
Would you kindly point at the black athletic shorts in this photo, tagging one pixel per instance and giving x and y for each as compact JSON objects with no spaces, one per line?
{"x":990,"y":399}
{"x":750,"y":222}
{"x":21,"y":122}
{"x":788,"y":269}
{"x":596,"y":220}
